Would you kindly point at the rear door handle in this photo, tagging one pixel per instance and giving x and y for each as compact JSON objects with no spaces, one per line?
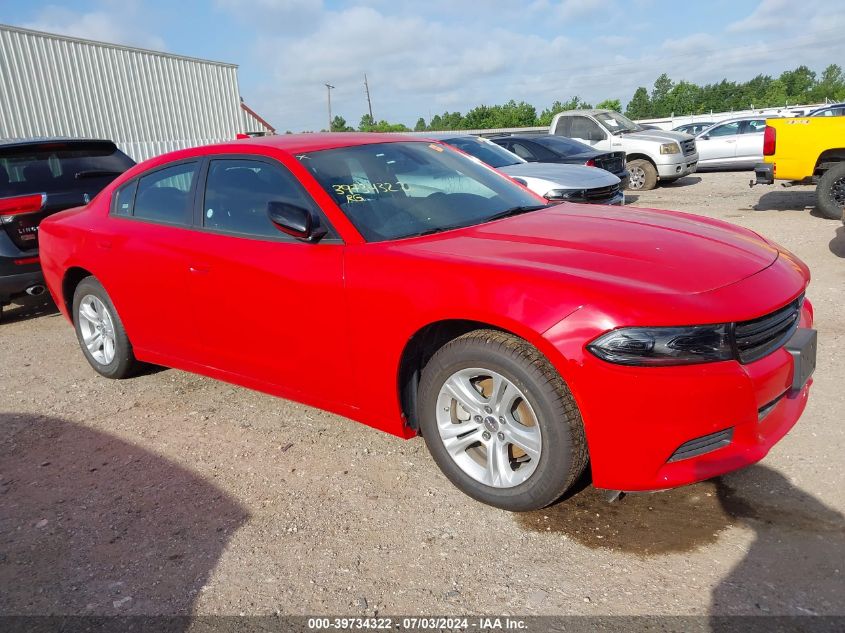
{"x":104,"y":244}
{"x":199,"y":269}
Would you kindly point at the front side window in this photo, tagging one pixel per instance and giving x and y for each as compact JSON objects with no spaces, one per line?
{"x":165,"y":194}
{"x":728,"y":129}
{"x":237,"y":192}
{"x":522,"y":150}
{"x":395,"y":190}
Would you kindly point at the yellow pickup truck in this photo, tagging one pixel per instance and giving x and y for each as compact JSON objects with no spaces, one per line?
{"x":806,"y":151}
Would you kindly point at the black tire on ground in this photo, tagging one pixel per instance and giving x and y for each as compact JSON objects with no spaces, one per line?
{"x":643,"y":175}
{"x":123,"y":364}
{"x":830,"y":193}
{"x":564,"y":447}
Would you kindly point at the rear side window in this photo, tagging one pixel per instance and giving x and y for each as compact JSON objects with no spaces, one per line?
{"x":237,"y":192}
{"x":564,"y":126}
{"x":125,"y":199}
{"x":60,"y":167}
{"x":165,"y":194}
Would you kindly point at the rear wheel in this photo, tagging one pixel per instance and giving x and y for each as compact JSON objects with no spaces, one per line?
{"x":643,"y":175}
{"x":830,"y":193}
{"x":500,"y":422}
{"x":100,"y":331}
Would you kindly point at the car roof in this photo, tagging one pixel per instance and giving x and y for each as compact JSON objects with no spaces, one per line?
{"x":295,"y":143}
{"x":47,"y":140}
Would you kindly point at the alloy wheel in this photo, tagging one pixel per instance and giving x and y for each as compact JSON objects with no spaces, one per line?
{"x":97,"y":329}
{"x":488,"y":427}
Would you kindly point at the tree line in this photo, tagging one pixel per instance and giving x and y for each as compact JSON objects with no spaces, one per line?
{"x":667,"y":97}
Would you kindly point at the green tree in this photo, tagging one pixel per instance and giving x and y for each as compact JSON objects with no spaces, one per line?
{"x":420,"y":126}
{"x":799,"y":84}
{"x":436,"y":123}
{"x":661,"y":106}
{"x":367,"y":124}
{"x":831,"y":85}
{"x":339,"y":125}
{"x":640,"y":105}
{"x":549,"y":113}
{"x":610,"y":104}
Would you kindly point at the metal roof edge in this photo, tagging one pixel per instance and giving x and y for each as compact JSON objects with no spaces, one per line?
{"x":79,"y":40}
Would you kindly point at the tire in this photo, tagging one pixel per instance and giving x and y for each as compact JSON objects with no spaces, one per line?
{"x":643,"y":175}
{"x":830,"y":193}
{"x":538,"y":411}
{"x":116,"y":360}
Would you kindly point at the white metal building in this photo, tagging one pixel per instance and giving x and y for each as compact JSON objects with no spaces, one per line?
{"x":146,"y":101}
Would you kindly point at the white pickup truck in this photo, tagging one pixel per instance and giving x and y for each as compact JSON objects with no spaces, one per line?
{"x":652,"y":154}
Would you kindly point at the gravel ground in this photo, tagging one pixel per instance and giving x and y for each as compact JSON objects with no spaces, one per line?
{"x":171,"y":493}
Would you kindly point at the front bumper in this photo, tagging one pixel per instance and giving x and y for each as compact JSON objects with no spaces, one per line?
{"x":764,"y":174}
{"x":645,"y":426}
{"x":673,"y":171}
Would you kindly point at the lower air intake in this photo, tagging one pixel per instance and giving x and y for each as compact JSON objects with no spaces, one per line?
{"x":703,"y":444}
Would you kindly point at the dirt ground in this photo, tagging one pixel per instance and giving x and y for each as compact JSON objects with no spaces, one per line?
{"x":170,"y":493}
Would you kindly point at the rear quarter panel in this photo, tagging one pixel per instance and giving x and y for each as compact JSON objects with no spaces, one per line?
{"x":801,"y":141}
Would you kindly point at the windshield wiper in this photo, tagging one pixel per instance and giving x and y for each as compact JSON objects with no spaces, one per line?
{"x":517,"y":211}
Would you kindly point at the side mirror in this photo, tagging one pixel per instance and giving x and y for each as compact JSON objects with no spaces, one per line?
{"x":295,"y":221}
{"x":706,"y":137}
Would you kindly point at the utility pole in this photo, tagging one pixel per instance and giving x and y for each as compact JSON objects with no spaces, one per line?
{"x":369,"y":102}
{"x":329,"y":89}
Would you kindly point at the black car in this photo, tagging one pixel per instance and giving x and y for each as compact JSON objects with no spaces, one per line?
{"x":39,"y":177}
{"x":546,"y":148}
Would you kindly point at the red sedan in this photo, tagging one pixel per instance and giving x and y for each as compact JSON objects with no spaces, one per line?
{"x":400,"y":283}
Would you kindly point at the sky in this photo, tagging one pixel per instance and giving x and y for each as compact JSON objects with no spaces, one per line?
{"x":422,"y":58}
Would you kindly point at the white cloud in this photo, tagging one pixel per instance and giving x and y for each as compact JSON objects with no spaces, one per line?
{"x":769,"y":15}
{"x":117,"y":26}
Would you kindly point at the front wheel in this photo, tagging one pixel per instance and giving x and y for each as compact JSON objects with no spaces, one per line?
{"x":643,"y":175}
{"x":830,"y":193}
{"x":100,"y":331}
{"x":500,"y":422}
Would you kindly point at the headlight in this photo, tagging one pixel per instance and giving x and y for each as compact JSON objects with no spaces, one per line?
{"x":670,"y":148}
{"x":564,"y":194}
{"x":664,"y":345}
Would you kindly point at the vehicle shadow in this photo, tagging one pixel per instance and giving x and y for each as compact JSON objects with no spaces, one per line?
{"x":794,"y":567}
{"x":22,"y":312}
{"x":788,"y":525}
{"x":94,"y":525}
{"x":786,"y":200}
{"x":837,"y":244}
{"x":686,"y":181}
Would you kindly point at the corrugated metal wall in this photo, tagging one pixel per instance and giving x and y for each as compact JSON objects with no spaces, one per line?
{"x":147,"y":102}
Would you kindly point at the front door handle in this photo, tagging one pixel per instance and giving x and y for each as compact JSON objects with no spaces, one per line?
{"x":199,"y":269}
{"x":104,"y":244}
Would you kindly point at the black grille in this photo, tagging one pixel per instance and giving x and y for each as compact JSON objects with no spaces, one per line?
{"x":759,"y":337}
{"x":688,"y":147}
{"x":703,"y":444}
{"x":601,"y":193}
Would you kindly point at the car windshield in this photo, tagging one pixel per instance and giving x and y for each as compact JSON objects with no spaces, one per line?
{"x":485,"y":151}
{"x":396,"y":190}
{"x":615,"y":123}
{"x":58,"y":167}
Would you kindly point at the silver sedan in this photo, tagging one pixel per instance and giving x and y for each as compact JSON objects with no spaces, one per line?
{"x":731,"y":144}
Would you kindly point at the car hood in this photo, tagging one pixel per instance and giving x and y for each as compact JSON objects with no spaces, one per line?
{"x":570,"y":176}
{"x":642,"y":250}
{"x":661,"y":136}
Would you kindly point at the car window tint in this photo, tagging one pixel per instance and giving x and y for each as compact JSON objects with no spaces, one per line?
{"x":563,"y":127}
{"x":582,"y":127}
{"x":164,"y":195}
{"x":237,"y":192}
{"x":521,"y":150}
{"x":752,"y":127}
{"x":124,"y":199}
{"x":728,"y":129}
